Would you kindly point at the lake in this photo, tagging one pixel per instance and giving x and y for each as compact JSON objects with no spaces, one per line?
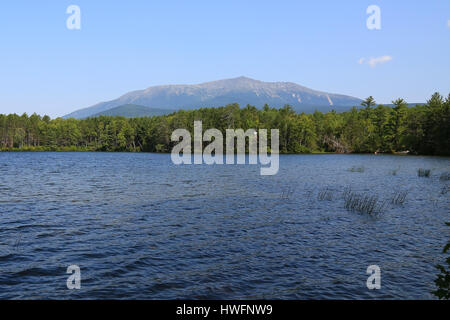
{"x":140,"y":227}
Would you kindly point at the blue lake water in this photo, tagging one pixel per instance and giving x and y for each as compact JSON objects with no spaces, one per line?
{"x":140,"y":227}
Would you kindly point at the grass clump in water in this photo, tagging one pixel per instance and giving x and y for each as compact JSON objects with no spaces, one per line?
{"x":424,"y":173}
{"x":368,"y":204}
{"x":445,"y":176}
{"x":286,"y":193}
{"x":399,"y":197}
{"x":326,"y":194}
{"x":357,"y":169}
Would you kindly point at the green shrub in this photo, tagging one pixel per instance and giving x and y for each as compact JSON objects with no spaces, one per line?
{"x":443,"y":279}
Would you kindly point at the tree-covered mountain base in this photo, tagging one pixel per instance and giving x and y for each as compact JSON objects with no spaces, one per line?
{"x":423,"y":129}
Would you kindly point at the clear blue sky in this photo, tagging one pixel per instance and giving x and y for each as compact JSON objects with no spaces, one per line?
{"x":130,"y":45}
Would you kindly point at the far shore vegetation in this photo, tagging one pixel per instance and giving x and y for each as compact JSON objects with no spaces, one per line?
{"x":422,"y":129}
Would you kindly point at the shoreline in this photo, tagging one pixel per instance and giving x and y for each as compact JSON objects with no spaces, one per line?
{"x":69,"y":150}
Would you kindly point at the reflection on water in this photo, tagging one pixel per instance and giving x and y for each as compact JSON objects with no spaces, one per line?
{"x":141,"y":228}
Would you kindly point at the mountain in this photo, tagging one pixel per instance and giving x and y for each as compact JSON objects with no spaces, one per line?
{"x":410,"y":105}
{"x":133,"y":111}
{"x":240,"y":90}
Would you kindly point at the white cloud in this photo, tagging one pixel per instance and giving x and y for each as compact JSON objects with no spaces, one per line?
{"x":374,"y":61}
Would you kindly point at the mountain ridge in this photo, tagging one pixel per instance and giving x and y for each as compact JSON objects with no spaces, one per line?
{"x":241,"y":90}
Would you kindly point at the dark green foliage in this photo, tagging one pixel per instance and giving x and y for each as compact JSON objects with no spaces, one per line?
{"x":369,"y":102}
{"x":443,"y":279}
{"x":133,"y":111}
{"x":423,"y":129}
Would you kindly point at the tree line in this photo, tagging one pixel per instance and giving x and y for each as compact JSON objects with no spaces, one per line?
{"x":422,"y":129}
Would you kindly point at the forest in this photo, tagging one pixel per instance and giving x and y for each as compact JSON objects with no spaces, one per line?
{"x":422,"y":129}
